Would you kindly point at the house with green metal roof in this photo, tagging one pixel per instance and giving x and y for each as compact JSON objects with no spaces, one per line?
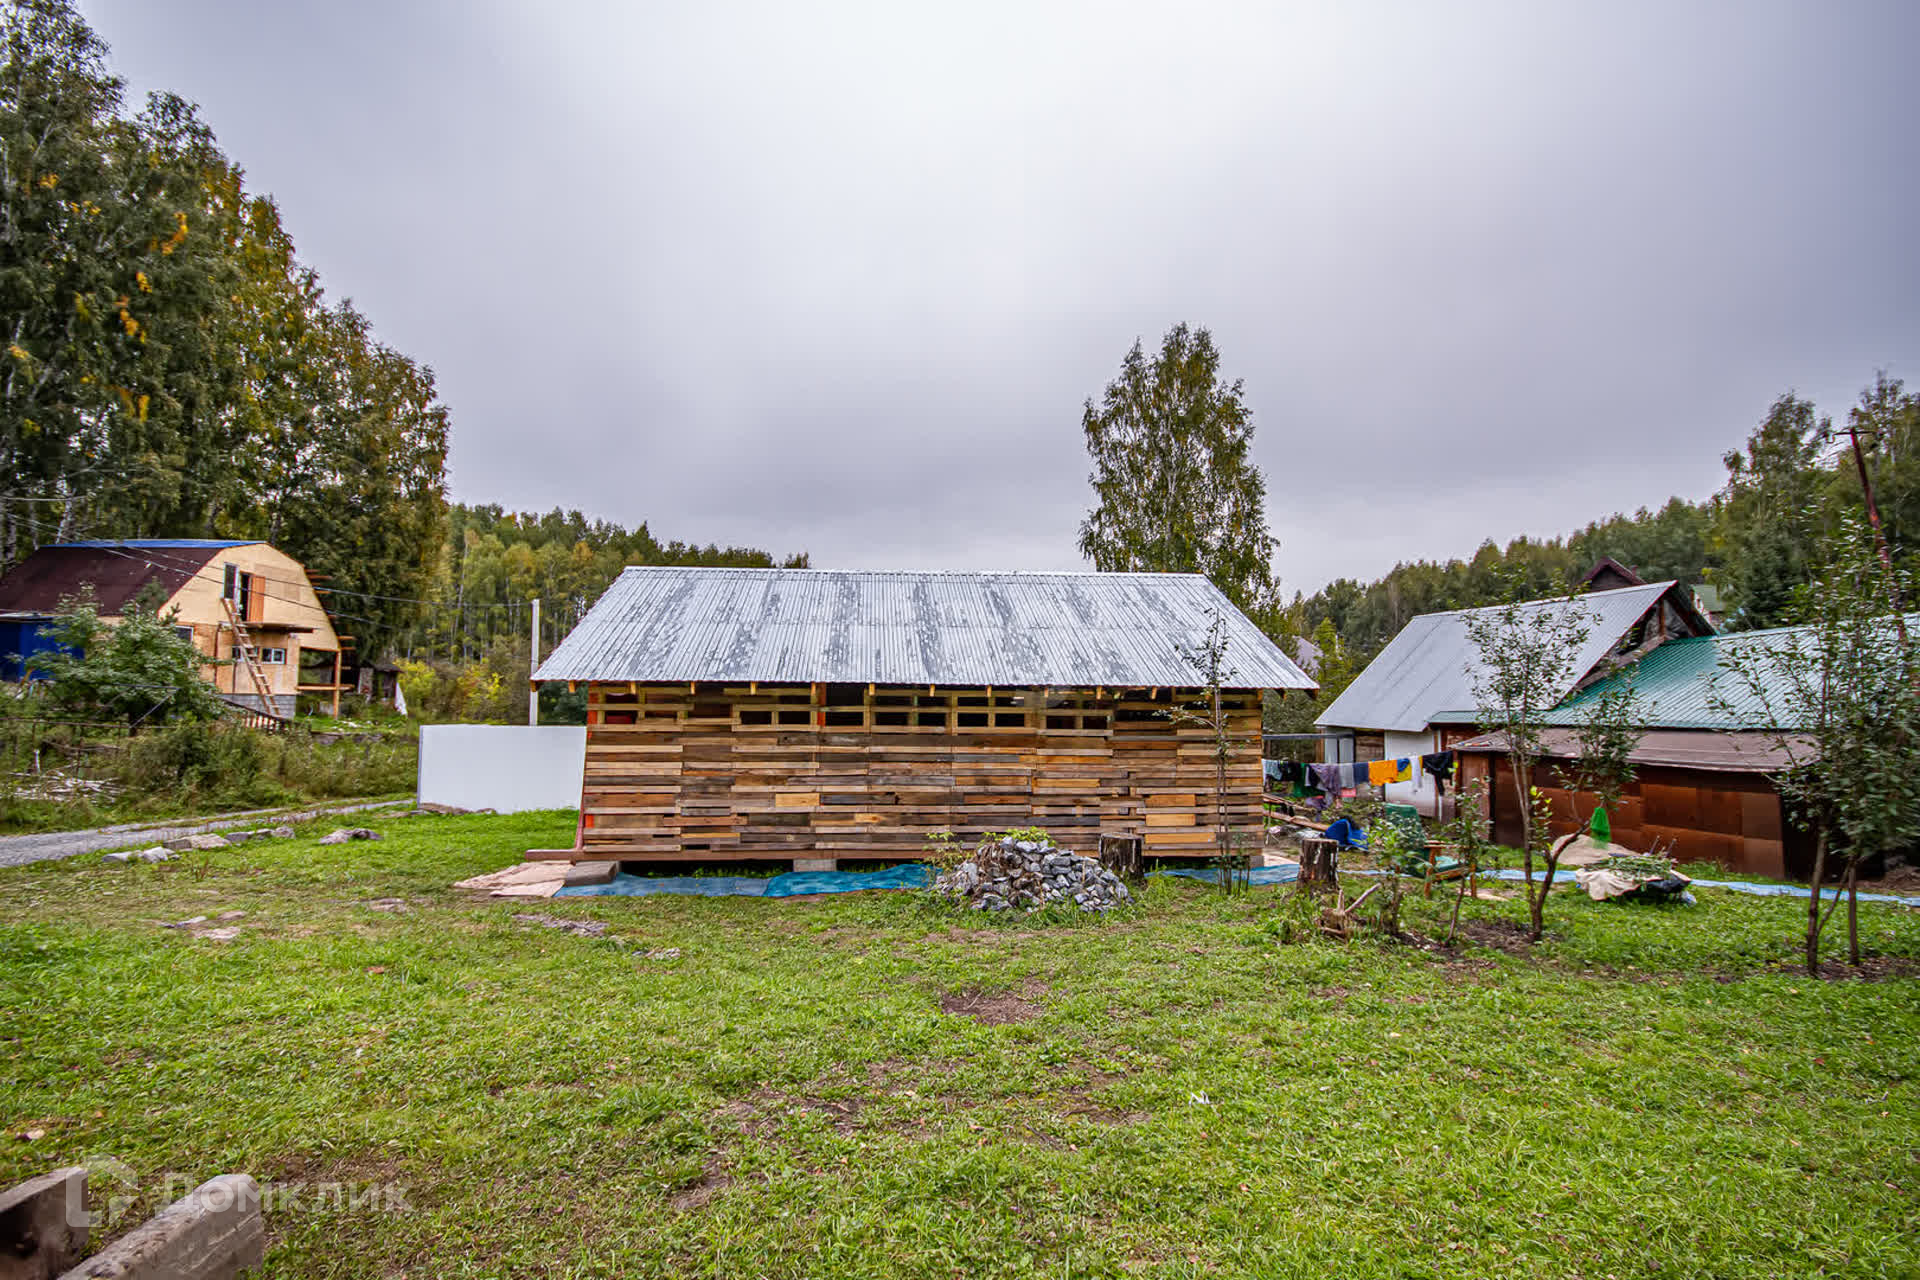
{"x":1706,"y":756}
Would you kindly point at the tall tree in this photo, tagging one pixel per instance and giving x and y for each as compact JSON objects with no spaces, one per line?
{"x":1839,"y":702}
{"x":1766,"y":519}
{"x":1175,"y":487}
{"x":1526,"y":652}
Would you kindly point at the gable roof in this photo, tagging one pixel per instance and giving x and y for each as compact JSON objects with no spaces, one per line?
{"x":1428,"y":669}
{"x":1010,"y":629}
{"x":116,"y":571}
{"x":1686,"y":684}
{"x":210,"y":544}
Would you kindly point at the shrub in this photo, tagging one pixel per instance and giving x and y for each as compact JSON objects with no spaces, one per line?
{"x":137,"y":669}
{"x":210,"y":760}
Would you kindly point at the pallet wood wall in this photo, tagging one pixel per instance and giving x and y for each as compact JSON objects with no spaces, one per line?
{"x":714,"y":772}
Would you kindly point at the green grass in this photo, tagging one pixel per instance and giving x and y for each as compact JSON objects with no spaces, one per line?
{"x":153,"y":781}
{"x":1650,"y":1093}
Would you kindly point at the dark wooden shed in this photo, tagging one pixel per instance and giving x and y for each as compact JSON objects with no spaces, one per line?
{"x":1700,"y":795}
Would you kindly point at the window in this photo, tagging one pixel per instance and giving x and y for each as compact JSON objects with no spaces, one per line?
{"x":273,"y":656}
{"x":185,"y":633}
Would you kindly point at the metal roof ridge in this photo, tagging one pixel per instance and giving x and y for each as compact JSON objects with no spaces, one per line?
{"x":1566,"y":599}
{"x":920,"y":573}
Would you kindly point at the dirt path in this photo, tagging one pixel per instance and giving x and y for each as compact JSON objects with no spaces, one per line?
{"x":17,"y":851}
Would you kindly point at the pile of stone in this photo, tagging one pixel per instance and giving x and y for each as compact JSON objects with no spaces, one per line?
{"x":1011,"y":874}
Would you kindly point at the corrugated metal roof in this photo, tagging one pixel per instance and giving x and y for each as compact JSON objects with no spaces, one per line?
{"x":1428,"y":669}
{"x":115,"y":576}
{"x":1686,"y":684}
{"x":1011,"y":629}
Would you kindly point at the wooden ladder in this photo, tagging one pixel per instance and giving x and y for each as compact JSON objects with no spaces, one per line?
{"x":244,"y":652}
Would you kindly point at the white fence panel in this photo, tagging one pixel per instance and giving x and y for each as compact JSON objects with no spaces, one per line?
{"x":507,"y":767}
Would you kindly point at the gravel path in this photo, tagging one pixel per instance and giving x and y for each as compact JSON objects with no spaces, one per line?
{"x":17,"y":851}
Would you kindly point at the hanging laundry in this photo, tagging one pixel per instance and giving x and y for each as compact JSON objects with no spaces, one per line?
{"x":1439,"y":765}
{"x":1326,"y":776}
{"x":1380,"y":772}
{"x":1403,"y":770}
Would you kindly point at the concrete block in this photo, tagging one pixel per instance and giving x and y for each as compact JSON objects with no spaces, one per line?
{"x":43,"y":1225}
{"x":214,"y":1232}
{"x":816,"y":864}
{"x":591,"y":873}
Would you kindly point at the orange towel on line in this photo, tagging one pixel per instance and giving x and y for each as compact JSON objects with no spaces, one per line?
{"x":1380,"y":773}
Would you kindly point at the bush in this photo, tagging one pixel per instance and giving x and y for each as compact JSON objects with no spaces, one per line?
{"x":137,"y":669}
{"x":323,"y":771}
{"x":227,"y":764}
{"x":203,"y":760}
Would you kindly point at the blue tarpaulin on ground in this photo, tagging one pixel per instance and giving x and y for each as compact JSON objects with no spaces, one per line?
{"x":912,"y":875}
{"x":626,"y":886}
{"x":1284,"y":874}
{"x":1738,"y":886}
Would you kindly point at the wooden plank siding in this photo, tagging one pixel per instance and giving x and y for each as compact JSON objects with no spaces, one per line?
{"x":713,"y":772}
{"x":1733,"y":819}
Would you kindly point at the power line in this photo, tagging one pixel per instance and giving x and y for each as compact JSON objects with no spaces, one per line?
{"x":205,"y":574}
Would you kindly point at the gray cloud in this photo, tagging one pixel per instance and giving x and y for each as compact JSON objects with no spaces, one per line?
{"x":839,"y":277}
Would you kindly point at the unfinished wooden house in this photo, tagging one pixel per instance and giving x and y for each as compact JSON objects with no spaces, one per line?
{"x":247,"y":606}
{"x":815,"y":714}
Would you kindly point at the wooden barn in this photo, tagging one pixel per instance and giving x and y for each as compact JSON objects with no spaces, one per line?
{"x":817,"y":715}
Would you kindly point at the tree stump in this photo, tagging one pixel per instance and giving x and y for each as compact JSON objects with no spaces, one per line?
{"x":1319,"y":861}
{"x":1124,"y":855}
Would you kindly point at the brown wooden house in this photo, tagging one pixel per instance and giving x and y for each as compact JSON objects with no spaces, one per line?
{"x":817,"y":715}
{"x":1705,"y":757}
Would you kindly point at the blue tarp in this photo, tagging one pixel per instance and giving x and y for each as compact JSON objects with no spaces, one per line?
{"x":912,"y":875}
{"x":1285,"y":874}
{"x":1345,"y":834}
{"x":1738,"y":886}
{"x":626,"y":886}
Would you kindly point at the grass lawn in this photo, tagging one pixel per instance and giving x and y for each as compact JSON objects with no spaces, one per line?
{"x":864,"y":1086}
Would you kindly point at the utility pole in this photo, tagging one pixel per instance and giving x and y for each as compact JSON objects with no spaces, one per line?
{"x":533,"y":665}
{"x":1879,"y":537}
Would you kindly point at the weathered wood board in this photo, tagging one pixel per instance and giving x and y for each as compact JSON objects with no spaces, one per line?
{"x":715,"y":772}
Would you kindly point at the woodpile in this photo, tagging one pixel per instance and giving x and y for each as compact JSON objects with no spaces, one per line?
{"x":715,"y":772}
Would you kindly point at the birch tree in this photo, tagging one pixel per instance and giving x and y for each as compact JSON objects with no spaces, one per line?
{"x":1174,"y":483}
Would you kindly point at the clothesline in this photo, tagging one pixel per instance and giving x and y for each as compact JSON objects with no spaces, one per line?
{"x":1320,"y":782}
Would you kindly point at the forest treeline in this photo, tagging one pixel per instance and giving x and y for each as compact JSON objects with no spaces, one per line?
{"x":1755,"y":541}
{"x":494,"y":561}
{"x":172,"y":369}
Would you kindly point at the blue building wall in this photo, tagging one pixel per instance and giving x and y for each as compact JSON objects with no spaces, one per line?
{"x":20,"y":638}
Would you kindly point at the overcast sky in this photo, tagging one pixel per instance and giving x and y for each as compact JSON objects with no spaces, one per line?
{"x":839,"y":277}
